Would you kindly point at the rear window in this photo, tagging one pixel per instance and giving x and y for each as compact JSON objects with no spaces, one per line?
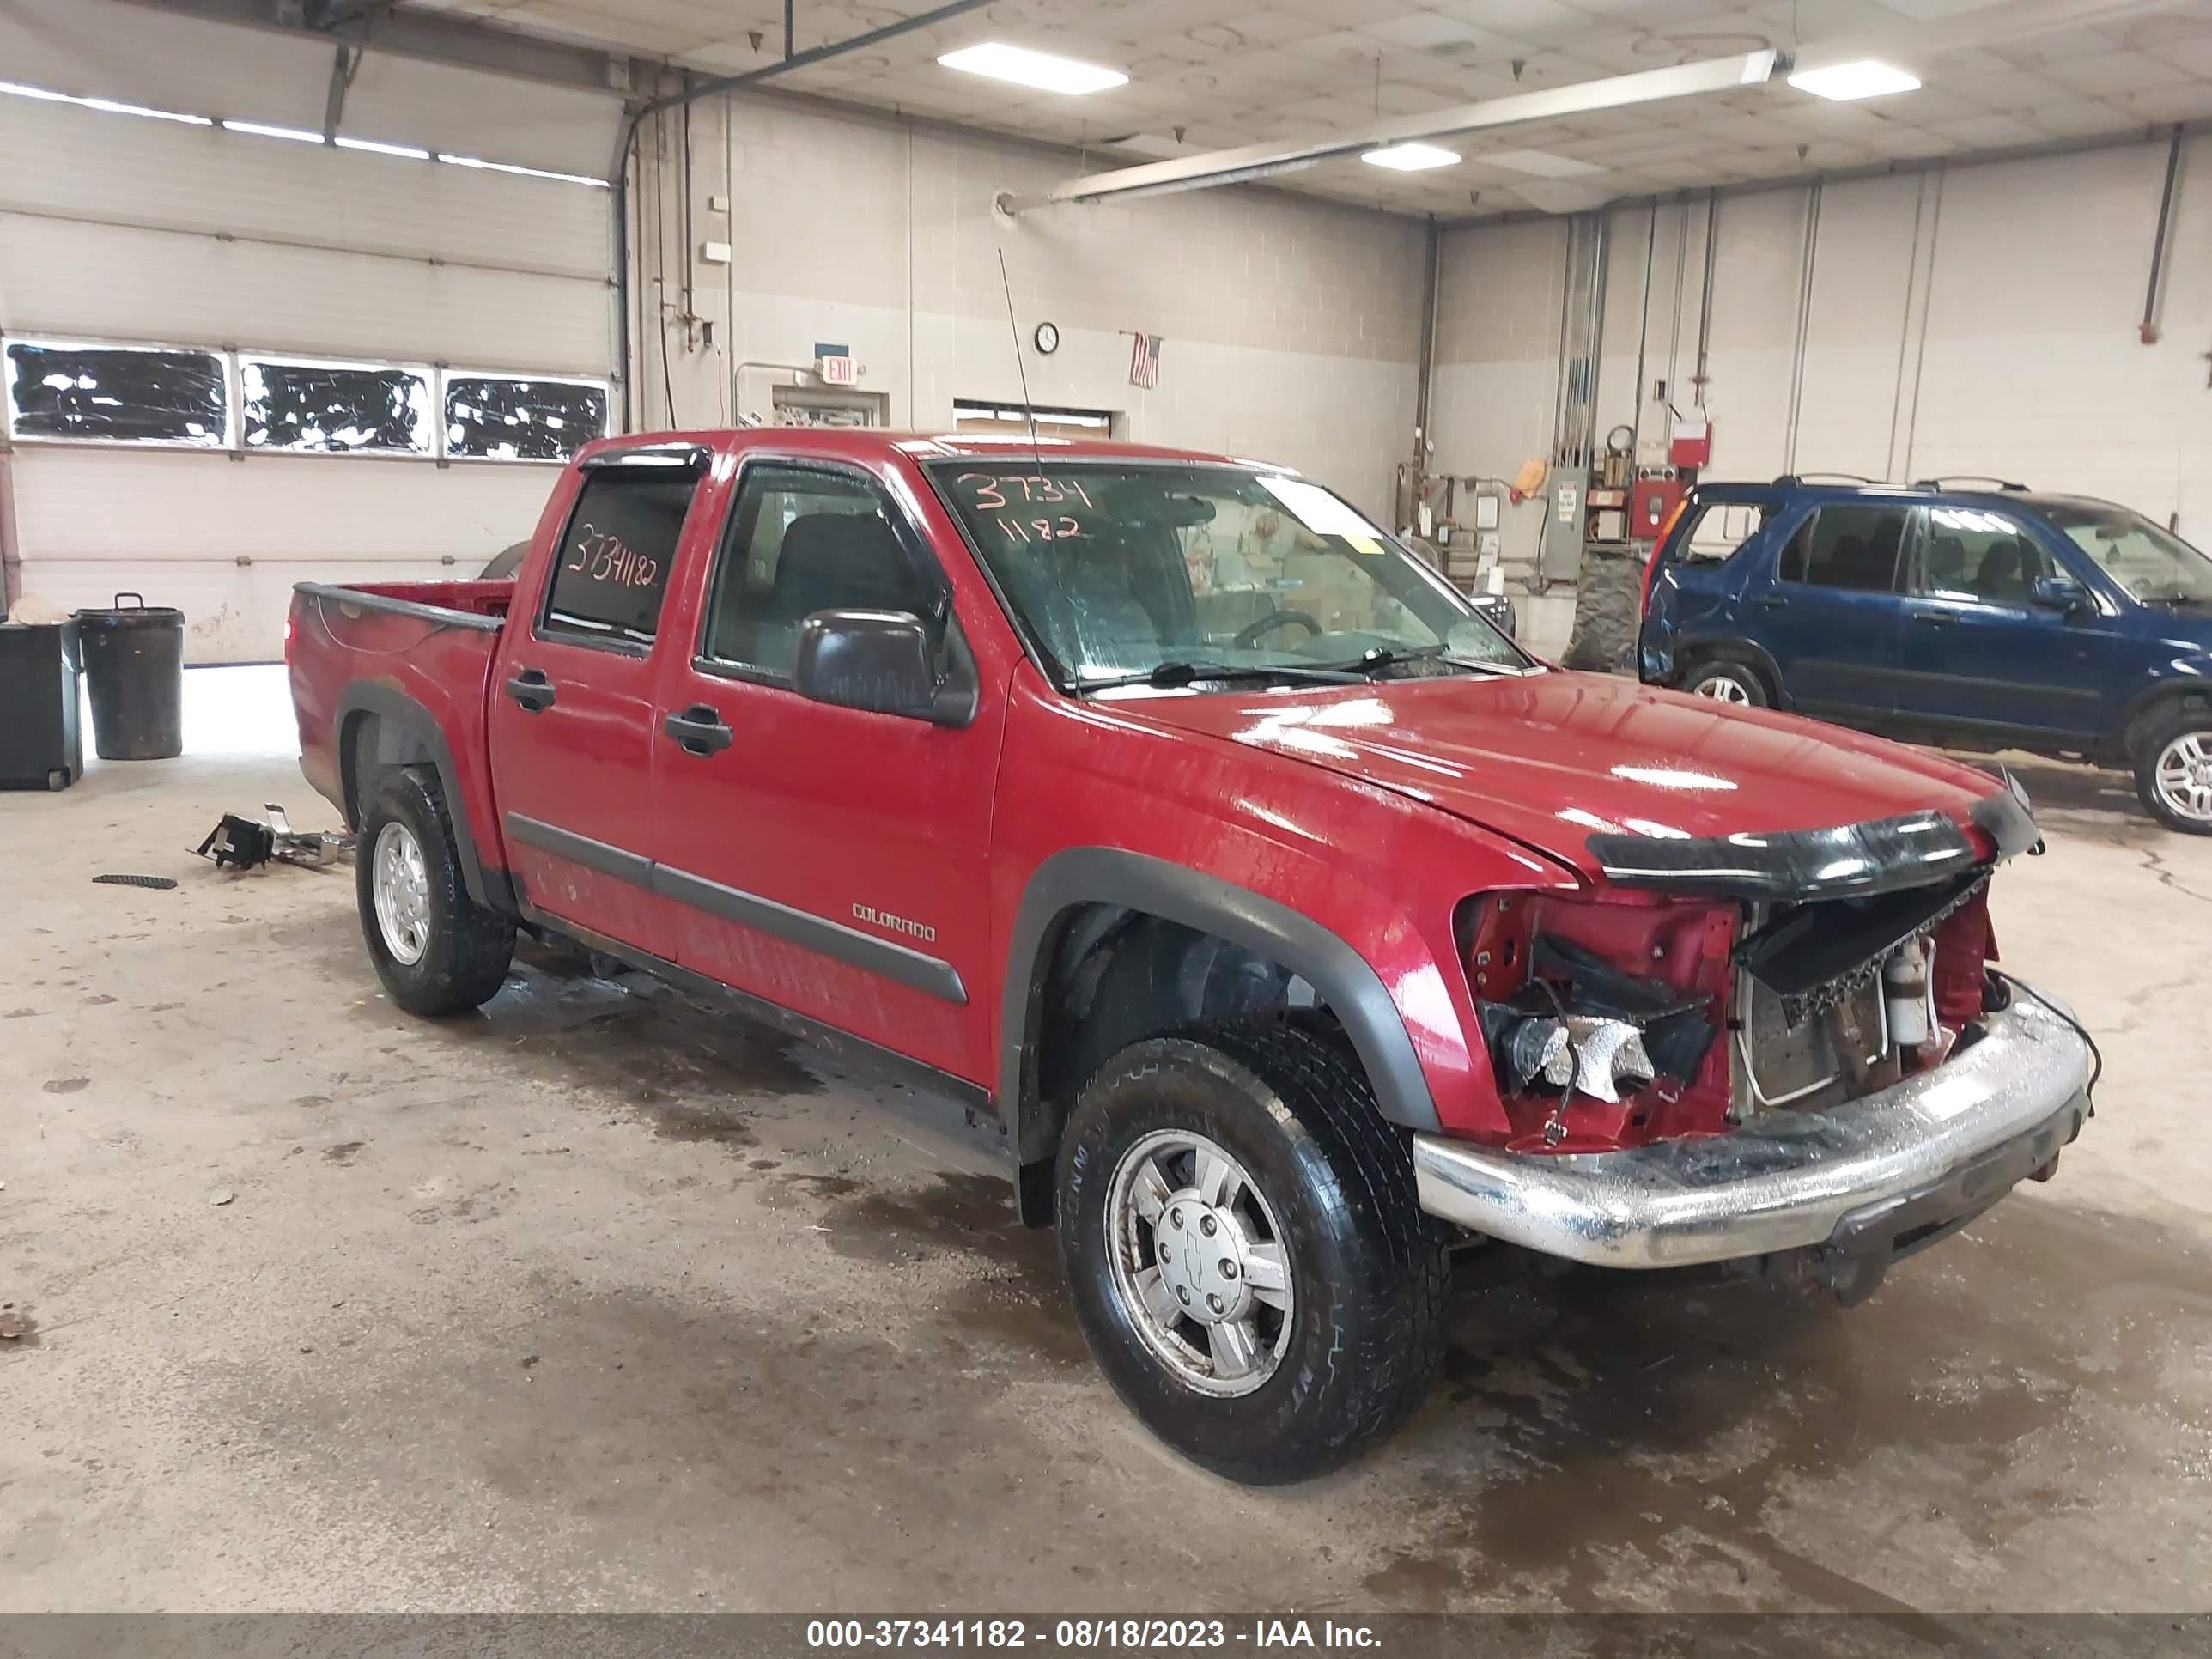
{"x":1719,"y":529}
{"x":1847,"y":547}
{"x":616,"y":555}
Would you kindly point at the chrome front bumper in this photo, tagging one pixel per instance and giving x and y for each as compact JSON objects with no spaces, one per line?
{"x":1899,"y":1165}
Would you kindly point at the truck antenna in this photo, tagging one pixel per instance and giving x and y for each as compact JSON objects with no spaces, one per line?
{"x":1020,"y":367}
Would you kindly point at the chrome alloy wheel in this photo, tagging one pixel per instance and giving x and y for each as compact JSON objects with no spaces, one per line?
{"x":2183,"y":776}
{"x":1720,"y":686}
{"x":1199,"y":1263}
{"x":401,"y":886}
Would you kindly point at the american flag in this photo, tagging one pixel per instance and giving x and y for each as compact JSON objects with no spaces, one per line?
{"x":1144,"y":362}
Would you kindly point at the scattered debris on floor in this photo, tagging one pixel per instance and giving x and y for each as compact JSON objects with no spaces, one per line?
{"x":159,"y":883}
{"x":243,"y":843}
{"x":220,"y":1196}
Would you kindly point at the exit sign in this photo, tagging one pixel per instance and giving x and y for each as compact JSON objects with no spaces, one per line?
{"x":840,"y":370}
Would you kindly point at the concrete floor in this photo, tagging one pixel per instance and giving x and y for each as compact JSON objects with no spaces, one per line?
{"x":596,"y":1301}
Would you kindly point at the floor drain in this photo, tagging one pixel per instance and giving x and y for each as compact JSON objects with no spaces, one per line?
{"x":159,"y":883}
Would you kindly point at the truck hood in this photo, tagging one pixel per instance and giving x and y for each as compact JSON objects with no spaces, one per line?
{"x":1551,"y":758}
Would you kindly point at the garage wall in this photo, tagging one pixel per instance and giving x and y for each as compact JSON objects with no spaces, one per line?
{"x":1973,"y":320}
{"x":1290,"y":328}
{"x":129,"y":229}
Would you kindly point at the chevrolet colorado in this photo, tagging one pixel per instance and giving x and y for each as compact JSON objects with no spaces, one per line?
{"x":1296,"y":926}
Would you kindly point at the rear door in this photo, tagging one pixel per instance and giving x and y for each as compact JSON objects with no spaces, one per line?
{"x":831,"y":860}
{"x":1831,"y":617}
{"x":570,"y":724}
{"x":1977,"y":653}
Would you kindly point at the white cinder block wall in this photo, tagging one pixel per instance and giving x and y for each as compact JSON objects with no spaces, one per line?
{"x":1290,"y":328}
{"x":1978,"y":318}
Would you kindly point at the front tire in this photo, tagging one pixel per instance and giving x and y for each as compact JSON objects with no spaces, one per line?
{"x":2173,"y":770}
{"x":437,"y":950}
{"x":1246,"y":1252}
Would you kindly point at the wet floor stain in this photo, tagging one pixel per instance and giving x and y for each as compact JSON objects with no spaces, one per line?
{"x":343,"y":1152}
{"x":1014,"y":1296}
{"x":1636,"y":1420}
{"x":65,"y":1085}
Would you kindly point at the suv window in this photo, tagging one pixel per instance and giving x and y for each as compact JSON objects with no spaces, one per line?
{"x":1970,"y":553}
{"x":803,"y":539}
{"x":1720,"y":528}
{"x":1850,"y":547}
{"x":616,"y":555}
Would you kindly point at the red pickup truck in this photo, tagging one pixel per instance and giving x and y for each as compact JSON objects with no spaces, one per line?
{"x":1297,"y":927}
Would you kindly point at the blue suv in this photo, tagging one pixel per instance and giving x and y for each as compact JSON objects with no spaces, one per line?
{"x":1986,"y":617}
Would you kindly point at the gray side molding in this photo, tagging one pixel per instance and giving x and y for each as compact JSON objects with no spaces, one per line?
{"x":1103,"y":875}
{"x":400,"y":714}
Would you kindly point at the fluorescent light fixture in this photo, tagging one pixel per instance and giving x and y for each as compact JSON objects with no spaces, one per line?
{"x":1412,"y":158}
{"x":375,"y":148}
{"x":1863,"y":79}
{"x":105,"y":105}
{"x":297,"y":135}
{"x":1026,"y":68}
{"x":1539,"y":164}
{"x":525,"y":173}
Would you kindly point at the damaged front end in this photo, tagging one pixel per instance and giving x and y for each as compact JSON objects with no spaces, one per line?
{"x":1754,"y":1044}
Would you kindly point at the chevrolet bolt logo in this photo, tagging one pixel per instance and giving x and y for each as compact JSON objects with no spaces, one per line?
{"x":890,"y":923}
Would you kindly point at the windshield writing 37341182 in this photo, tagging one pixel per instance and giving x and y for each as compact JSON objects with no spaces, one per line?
{"x":602,"y":557}
{"x":1028,"y":507}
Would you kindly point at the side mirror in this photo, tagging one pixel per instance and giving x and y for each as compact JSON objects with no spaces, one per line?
{"x":878,"y":661}
{"x":2060,"y":593}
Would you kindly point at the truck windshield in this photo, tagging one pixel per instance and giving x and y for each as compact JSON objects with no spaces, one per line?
{"x":2155,"y":566}
{"x":1189,"y":574}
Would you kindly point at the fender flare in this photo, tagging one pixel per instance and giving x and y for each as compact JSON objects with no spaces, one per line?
{"x":1104,"y":875}
{"x":398,"y":713}
{"x":1735,"y":645}
{"x":2163,"y":689}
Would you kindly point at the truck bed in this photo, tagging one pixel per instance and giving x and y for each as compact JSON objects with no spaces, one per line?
{"x":352,"y":650}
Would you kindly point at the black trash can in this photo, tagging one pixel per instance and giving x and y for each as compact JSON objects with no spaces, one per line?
{"x":40,"y":747}
{"x":133,"y":666}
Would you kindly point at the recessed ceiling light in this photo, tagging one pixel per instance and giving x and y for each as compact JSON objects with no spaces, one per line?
{"x":1026,"y":68}
{"x":1538,"y":163}
{"x":1863,"y":79}
{"x":1412,"y":158}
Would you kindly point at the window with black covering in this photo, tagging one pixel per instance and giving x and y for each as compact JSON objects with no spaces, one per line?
{"x":616,"y":555}
{"x":504,"y":417}
{"x":1850,"y":547}
{"x":335,"y":409}
{"x":116,"y":394}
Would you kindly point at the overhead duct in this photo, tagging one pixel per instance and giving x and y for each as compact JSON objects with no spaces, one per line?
{"x":1228,"y":166}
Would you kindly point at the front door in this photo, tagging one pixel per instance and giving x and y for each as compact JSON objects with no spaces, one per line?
{"x":1829,"y":619}
{"x":1978,"y":652}
{"x":830,"y":860}
{"x":570,"y":721}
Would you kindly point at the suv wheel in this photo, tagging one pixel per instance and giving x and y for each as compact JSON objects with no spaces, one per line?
{"x":1725,"y":680}
{"x":437,"y":950}
{"x":2173,"y":771}
{"x":1248,"y":1259}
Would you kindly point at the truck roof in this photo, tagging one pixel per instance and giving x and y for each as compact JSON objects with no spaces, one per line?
{"x":875,"y":443}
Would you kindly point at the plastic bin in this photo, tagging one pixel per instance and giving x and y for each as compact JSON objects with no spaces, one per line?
{"x":41,"y":746}
{"x":133,"y":666}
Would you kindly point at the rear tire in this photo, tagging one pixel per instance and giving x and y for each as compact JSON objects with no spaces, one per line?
{"x":2173,"y":769}
{"x":437,"y":950}
{"x":1729,"y":680}
{"x":1275,"y":1183}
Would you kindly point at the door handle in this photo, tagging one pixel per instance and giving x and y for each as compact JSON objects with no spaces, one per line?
{"x":1936,"y":618}
{"x":531,"y":690}
{"x":1772,"y":602}
{"x":699,"y":730}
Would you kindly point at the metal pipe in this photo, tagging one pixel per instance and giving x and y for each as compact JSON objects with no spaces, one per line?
{"x":1904,"y":329}
{"x":1432,"y":263}
{"x":618,"y":175}
{"x":1807,"y":262}
{"x":1251,"y":161}
{"x":1642,"y":336}
{"x":1706,"y":292}
{"x":2148,"y":332}
{"x":1920,"y":358}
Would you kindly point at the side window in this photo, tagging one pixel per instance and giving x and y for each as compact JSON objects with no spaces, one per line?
{"x":1847,"y":547}
{"x":616,"y":555}
{"x":802,"y":540}
{"x":1720,"y":528}
{"x":1970,"y":553}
